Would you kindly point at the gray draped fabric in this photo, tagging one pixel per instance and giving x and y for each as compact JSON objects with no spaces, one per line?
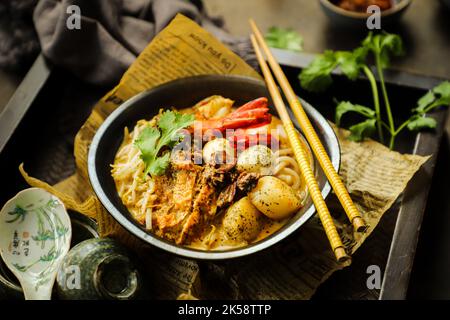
{"x":113,"y":33}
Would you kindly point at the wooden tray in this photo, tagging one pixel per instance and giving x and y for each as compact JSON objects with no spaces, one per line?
{"x":39,"y":123}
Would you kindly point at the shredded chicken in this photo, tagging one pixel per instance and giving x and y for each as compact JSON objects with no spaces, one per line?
{"x":227,"y":195}
{"x":247,"y":181}
{"x":190,"y":195}
{"x":187,"y":200}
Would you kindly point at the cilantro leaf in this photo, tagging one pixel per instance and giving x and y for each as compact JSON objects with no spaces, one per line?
{"x":152,"y":140}
{"x":443,"y":90}
{"x":438,"y":96}
{"x":317,"y":76}
{"x":159,"y":165}
{"x":383,"y":45}
{"x":346,"y":106}
{"x":425,"y":101}
{"x":419,"y":122}
{"x":351,"y":62}
{"x":170,"y":124}
{"x":442,"y":101}
{"x":390,"y":44}
{"x":368,"y":41}
{"x":284,"y":39}
{"x":146,"y":142}
{"x":361,"y":130}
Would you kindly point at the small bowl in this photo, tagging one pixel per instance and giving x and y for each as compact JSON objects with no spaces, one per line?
{"x":346,"y":18}
{"x":181,"y":93}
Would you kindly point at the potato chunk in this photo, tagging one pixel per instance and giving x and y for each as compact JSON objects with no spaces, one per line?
{"x":274,"y":198}
{"x":242,"y":221}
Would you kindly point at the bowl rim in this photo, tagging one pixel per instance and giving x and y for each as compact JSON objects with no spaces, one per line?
{"x":361,"y":15}
{"x":191,"y":252}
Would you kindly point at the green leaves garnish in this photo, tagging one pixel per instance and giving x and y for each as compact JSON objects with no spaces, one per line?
{"x":443,"y":90}
{"x":351,"y":62}
{"x":436,"y":97}
{"x":284,"y":39}
{"x":317,"y":76}
{"x":363,"y":129}
{"x":152,"y":140}
{"x":383,"y":45}
{"x":425,"y":101}
{"x":170,"y":124}
{"x":346,"y":106}
{"x":417,"y":123}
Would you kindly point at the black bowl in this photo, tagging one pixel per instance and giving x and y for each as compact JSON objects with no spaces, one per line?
{"x":185,"y":93}
{"x":345,"y":18}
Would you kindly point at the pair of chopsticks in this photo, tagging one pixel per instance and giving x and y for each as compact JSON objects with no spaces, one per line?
{"x":299,"y":152}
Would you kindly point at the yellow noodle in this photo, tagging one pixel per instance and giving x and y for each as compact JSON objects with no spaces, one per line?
{"x":134,"y":189}
{"x":148,"y":219}
{"x":286,"y":168}
{"x":286,"y":178}
{"x":286,"y":161}
{"x":295,"y":180}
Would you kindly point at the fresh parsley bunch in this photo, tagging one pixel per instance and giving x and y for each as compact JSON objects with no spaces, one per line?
{"x":317,"y":77}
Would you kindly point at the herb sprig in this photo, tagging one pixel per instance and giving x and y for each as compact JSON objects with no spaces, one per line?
{"x":281,"y":38}
{"x":317,"y":77}
{"x":152,"y":140}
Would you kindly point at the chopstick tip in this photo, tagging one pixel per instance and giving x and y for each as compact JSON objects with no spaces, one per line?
{"x":342,"y":256}
{"x":359,"y":224}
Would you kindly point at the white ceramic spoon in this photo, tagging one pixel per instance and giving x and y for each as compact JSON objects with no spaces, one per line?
{"x":35,"y":233}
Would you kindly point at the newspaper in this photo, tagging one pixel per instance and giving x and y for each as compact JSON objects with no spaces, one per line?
{"x":293,"y":269}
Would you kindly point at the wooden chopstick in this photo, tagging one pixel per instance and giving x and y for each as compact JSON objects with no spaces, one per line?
{"x":314,"y":141}
{"x":302,"y":159}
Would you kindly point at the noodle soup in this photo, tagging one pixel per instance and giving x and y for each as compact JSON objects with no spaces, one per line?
{"x":227,"y":179}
